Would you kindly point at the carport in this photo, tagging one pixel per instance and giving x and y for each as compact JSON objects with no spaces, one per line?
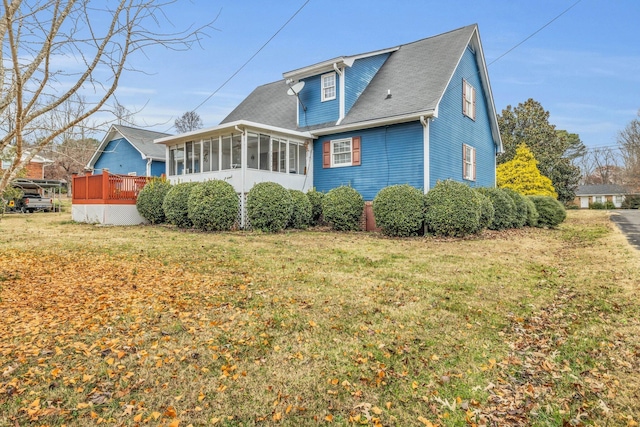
{"x":45,"y":187}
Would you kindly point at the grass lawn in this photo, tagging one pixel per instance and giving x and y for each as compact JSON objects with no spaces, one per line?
{"x":153,"y":326}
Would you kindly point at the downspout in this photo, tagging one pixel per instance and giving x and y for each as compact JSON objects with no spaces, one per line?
{"x":425,"y":137}
{"x":149,"y":166}
{"x":341,"y":97}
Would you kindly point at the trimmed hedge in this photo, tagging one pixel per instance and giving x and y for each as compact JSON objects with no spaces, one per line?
{"x":342,"y":208}
{"x":301,"y":212}
{"x":399,"y":210}
{"x":532,"y":213}
{"x":150,"y":200}
{"x":452,"y":209}
{"x":521,"y":212}
{"x":213,"y":205}
{"x":269,"y":206}
{"x":176,"y":204}
{"x":504,"y":208}
{"x":486,"y":210}
{"x":315,"y":198}
{"x":550,"y":211}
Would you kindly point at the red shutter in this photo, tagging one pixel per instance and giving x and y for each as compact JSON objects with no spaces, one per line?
{"x":464,"y":97}
{"x":464,"y":161}
{"x":326,"y":154}
{"x":355,"y":151}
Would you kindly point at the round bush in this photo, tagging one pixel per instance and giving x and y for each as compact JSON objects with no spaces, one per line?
{"x":269,"y":206}
{"x":342,"y":207}
{"x":315,"y":197}
{"x":550,"y":211}
{"x":176,"y":204}
{"x":520,"y":217}
{"x":452,"y":209}
{"x":399,"y":210}
{"x":504,"y":208}
{"x":150,"y":199}
{"x":213,"y":205}
{"x":532,"y":213}
{"x":486,"y":211}
{"x":301,"y":213}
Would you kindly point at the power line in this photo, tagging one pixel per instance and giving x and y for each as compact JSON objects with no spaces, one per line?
{"x":253,"y":56}
{"x":535,"y":32}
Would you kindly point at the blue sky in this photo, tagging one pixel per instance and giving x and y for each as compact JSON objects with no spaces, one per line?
{"x":584,"y":67}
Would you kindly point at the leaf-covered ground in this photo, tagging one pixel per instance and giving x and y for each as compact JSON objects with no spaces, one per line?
{"x":155,"y":326}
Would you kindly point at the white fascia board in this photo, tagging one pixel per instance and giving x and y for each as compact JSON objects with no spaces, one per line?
{"x":229,"y":127}
{"x":105,"y":140}
{"x":374,"y":123}
{"x":322,"y":67}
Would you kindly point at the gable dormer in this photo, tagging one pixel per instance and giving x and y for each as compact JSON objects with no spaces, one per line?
{"x":332,"y":87}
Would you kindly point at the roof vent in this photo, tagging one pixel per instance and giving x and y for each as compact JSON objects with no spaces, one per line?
{"x":388,"y":94}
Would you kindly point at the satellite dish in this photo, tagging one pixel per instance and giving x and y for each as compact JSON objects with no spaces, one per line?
{"x":295,"y":89}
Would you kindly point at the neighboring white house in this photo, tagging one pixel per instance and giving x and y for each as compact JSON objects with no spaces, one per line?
{"x":587,"y":194}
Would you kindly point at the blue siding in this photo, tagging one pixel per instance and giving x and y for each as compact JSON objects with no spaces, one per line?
{"x":452,"y":129}
{"x":358,"y":77}
{"x":120,"y":157}
{"x":390,"y":155}
{"x":158,"y":168}
{"x":318,"y":112}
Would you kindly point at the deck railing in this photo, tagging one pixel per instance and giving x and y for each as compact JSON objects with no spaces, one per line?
{"x":107,"y":188}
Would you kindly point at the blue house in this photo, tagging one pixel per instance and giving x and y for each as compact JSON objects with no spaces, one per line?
{"x":410,"y":114}
{"x":126,"y":150}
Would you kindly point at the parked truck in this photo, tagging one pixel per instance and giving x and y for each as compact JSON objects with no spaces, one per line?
{"x":35,"y":202}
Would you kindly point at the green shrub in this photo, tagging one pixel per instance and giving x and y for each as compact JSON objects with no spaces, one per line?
{"x":315,"y":197}
{"x":213,"y":205}
{"x":609,"y":205}
{"x":176,"y":204}
{"x":150,"y":199}
{"x":550,"y":211}
{"x":532,"y":213}
{"x":596,"y":205}
{"x":301,"y":213}
{"x":504,"y":208}
{"x":399,"y":210}
{"x":521,"y":212}
{"x":342,"y":207}
{"x":269,"y":206}
{"x":452,"y":209}
{"x":631,"y":202}
{"x":486,"y":210}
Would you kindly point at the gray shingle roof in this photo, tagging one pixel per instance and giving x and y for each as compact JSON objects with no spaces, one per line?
{"x":142,"y":139}
{"x":417,"y":75}
{"x":601,"y":190}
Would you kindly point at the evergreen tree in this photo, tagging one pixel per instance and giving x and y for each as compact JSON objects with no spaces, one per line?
{"x":528,"y":123}
{"x":521,"y":174}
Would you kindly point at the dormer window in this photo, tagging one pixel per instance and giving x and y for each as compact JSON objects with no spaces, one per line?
{"x":328,"y":86}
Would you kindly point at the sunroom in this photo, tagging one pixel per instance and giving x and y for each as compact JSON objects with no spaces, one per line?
{"x":242,"y":153}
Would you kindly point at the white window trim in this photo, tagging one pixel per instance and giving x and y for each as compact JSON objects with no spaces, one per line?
{"x":469,"y":164}
{"x":323,"y":87}
{"x":333,"y":143}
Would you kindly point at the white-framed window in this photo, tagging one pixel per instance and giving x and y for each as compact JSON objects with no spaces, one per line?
{"x":468,"y":162}
{"x":328,"y":86}
{"x":341,"y":152}
{"x":598,"y":199}
{"x":468,"y":100}
{"x":617,"y":200}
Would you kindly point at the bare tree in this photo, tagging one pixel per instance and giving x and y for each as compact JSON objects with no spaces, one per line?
{"x":100,"y":35}
{"x":600,"y":166}
{"x":188,"y":121}
{"x":124,"y":116}
{"x":629,"y":143}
